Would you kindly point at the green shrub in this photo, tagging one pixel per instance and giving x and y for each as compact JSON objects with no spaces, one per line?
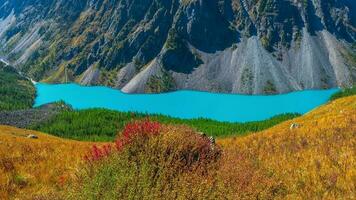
{"x":344,"y":93}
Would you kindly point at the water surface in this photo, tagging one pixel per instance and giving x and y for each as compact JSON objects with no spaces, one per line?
{"x":185,"y":104}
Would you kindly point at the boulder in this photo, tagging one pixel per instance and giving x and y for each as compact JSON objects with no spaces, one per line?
{"x":32,"y":136}
{"x":294,"y":126}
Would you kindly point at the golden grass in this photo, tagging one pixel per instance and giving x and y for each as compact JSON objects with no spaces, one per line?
{"x":315,"y":161}
{"x":32,"y":168}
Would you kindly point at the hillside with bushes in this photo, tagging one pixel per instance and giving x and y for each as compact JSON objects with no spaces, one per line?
{"x":16,"y":92}
{"x":310,"y":157}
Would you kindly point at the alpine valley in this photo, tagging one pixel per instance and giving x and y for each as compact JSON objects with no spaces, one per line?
{"x":253,"y":99}
{"x":152,"y":46}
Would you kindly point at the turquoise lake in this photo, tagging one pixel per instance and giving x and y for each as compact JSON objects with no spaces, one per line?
{"x":185,"y":104}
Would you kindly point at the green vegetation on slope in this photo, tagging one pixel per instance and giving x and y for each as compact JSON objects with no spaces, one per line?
{"x":344,"y":93}
{"x":103,"y":125}
{"x":16,"y":92}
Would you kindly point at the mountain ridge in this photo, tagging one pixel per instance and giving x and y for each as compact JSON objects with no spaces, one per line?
{"x":229,"y":46}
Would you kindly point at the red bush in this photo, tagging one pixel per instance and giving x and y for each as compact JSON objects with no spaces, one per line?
{"x":136,"y":129}
{"x":131,"y":131}
{"x":98,"y":153}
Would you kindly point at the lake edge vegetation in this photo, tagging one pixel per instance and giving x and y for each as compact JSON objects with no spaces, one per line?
{"x":103,"y":124}
{"x":345,"y":92}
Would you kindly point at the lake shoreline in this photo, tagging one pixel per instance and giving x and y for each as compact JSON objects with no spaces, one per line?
{"x":184,"y":104}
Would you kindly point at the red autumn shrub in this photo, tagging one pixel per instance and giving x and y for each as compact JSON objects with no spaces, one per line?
{"x":137,"y":129}
{"x":98,"y":153}
{"x":133,"y":130}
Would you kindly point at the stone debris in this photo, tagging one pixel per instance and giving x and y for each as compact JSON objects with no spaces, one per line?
{"x":32,"y":136}
{"x":294,"y":126}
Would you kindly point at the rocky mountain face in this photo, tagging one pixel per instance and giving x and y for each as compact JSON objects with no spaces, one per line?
{"x":231,"y":46}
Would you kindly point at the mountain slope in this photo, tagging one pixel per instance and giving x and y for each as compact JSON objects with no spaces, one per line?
{"x":233,"y":46}
{"x":16,"y":92}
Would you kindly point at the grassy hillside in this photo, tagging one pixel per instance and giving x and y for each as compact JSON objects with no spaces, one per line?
{"x":33,"y":168}
{"x":80,"y":125}
{"x":16,"y":92}
{"x":314,"y":160}
{"x":317,"y":160}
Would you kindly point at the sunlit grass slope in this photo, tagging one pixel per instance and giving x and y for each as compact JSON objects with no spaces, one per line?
{"x":35,"y":168}
{"x":314,"y":160}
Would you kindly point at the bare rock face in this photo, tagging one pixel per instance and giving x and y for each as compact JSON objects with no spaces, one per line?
{"x":231,"y":46}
